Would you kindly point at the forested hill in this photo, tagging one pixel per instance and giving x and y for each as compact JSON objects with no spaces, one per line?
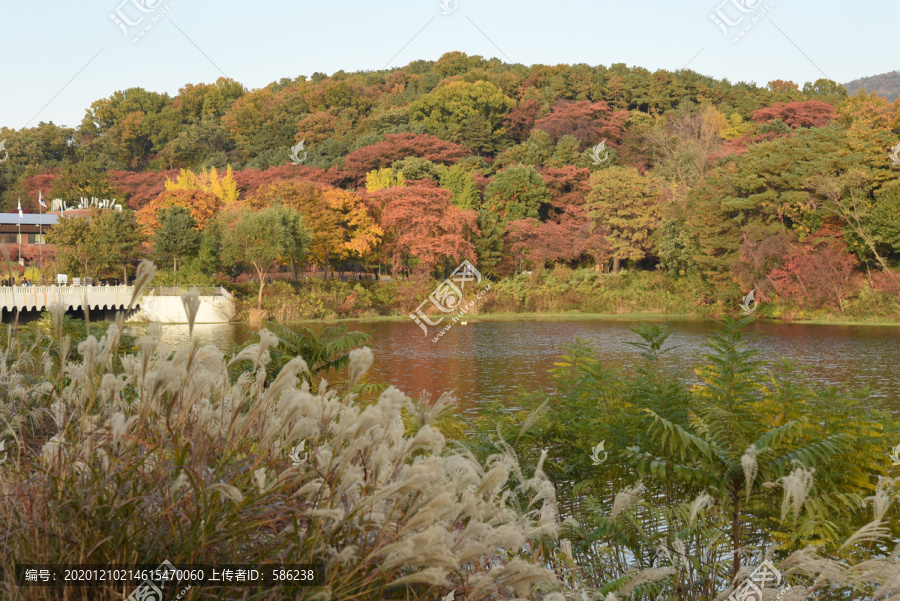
{"x":785,"y":188}
{"x":886,"y":84}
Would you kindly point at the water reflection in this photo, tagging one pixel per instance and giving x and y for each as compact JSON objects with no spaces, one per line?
{"x":490,"y":360}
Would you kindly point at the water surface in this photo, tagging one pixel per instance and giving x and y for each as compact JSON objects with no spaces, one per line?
{"x":491,"y":360}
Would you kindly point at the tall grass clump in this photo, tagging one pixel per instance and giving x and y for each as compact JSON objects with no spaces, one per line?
{"x":118,"y":458}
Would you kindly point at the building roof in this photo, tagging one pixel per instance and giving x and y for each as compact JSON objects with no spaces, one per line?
{"x":28,"y":219}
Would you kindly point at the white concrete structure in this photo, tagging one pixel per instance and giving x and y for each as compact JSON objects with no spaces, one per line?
{"x":218,"y":308}
{"x":161,"y":304}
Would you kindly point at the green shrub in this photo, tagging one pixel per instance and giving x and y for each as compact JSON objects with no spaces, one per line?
{"x":693,"y":483}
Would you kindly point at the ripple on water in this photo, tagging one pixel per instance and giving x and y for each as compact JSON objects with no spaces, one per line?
{"x":491,"y":360}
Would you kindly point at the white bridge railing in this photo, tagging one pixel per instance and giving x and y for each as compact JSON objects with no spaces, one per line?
{"x":38,"y":298}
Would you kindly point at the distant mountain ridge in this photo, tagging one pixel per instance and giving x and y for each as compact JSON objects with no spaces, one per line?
{"x":886,"y":84}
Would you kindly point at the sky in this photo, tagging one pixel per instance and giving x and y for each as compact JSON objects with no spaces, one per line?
{"x":58,"y":57}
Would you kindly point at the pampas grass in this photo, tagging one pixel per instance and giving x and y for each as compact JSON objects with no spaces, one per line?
{"x":168,"y":457}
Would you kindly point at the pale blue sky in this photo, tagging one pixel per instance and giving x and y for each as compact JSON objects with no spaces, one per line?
{"x":58,"y":57}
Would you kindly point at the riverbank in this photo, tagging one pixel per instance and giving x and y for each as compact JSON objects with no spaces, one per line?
{"x":557,"y":293}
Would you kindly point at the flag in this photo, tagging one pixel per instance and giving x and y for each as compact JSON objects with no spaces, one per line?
{"x":20,"y":207}
{"x":41,"y":199}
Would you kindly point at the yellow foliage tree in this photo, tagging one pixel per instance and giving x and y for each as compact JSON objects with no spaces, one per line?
{"x":380,"y":179}
{"x":736,"y":127}
{"x":223,"y":188}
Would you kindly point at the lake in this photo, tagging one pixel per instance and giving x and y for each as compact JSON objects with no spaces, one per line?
{"x":491,"y":360}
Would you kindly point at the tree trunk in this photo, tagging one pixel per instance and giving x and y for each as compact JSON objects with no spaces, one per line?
{"x":262,"y":283}
{"x":327,"y":264}
{"x":615,"y":264}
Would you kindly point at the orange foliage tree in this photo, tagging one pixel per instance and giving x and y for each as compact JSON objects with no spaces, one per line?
{"x":202,"y":205}
{"x":342,"y":223}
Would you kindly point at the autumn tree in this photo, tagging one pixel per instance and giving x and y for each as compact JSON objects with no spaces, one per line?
{"x":139,"y":188}
{"x":249,"y":181}
{"x":567,"y":236}
{"x":872,"y":224}
{"x":520,"y":120}
{"x":817,"y":272}
{"x":224,"y":188}
{"x":459,"y":182}
{"x":683,"y":144}
{"x":204,"y":194}
{"x":784,"y":91}
{"x":204,"y":101}
{"x":420,"y":221}
{"x":203,"y":207}
{"x":763,"y":249}
{"x":569,"y":185}
{"x":806,"y":113}
{"x":399,"y":146}
{"x":380,"y":179}
{"x":586,"y":121}
{"x":341,"y":222}
{"x":266,"y":118}
{"x":626,"y":204}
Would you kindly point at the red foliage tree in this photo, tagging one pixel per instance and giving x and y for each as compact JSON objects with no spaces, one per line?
{"x":419,"y":220}
{"x":807,"y":113}
{"x":249,"y":181}
{"x":568,"y":237}
{"x":886,"y":282}
{"x":35,"y":254}
{"x":568,"y":184}
{"x":520,"y":121}
{"x":140,"y":187}
{"x":534,"y":243}
{"x":34,"y":185}
{"x":399,"y":146}
{"x":817,"y":273}
{"x":588,"y":122}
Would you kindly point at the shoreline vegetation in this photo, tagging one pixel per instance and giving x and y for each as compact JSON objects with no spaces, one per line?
{"x":561,"y":293}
